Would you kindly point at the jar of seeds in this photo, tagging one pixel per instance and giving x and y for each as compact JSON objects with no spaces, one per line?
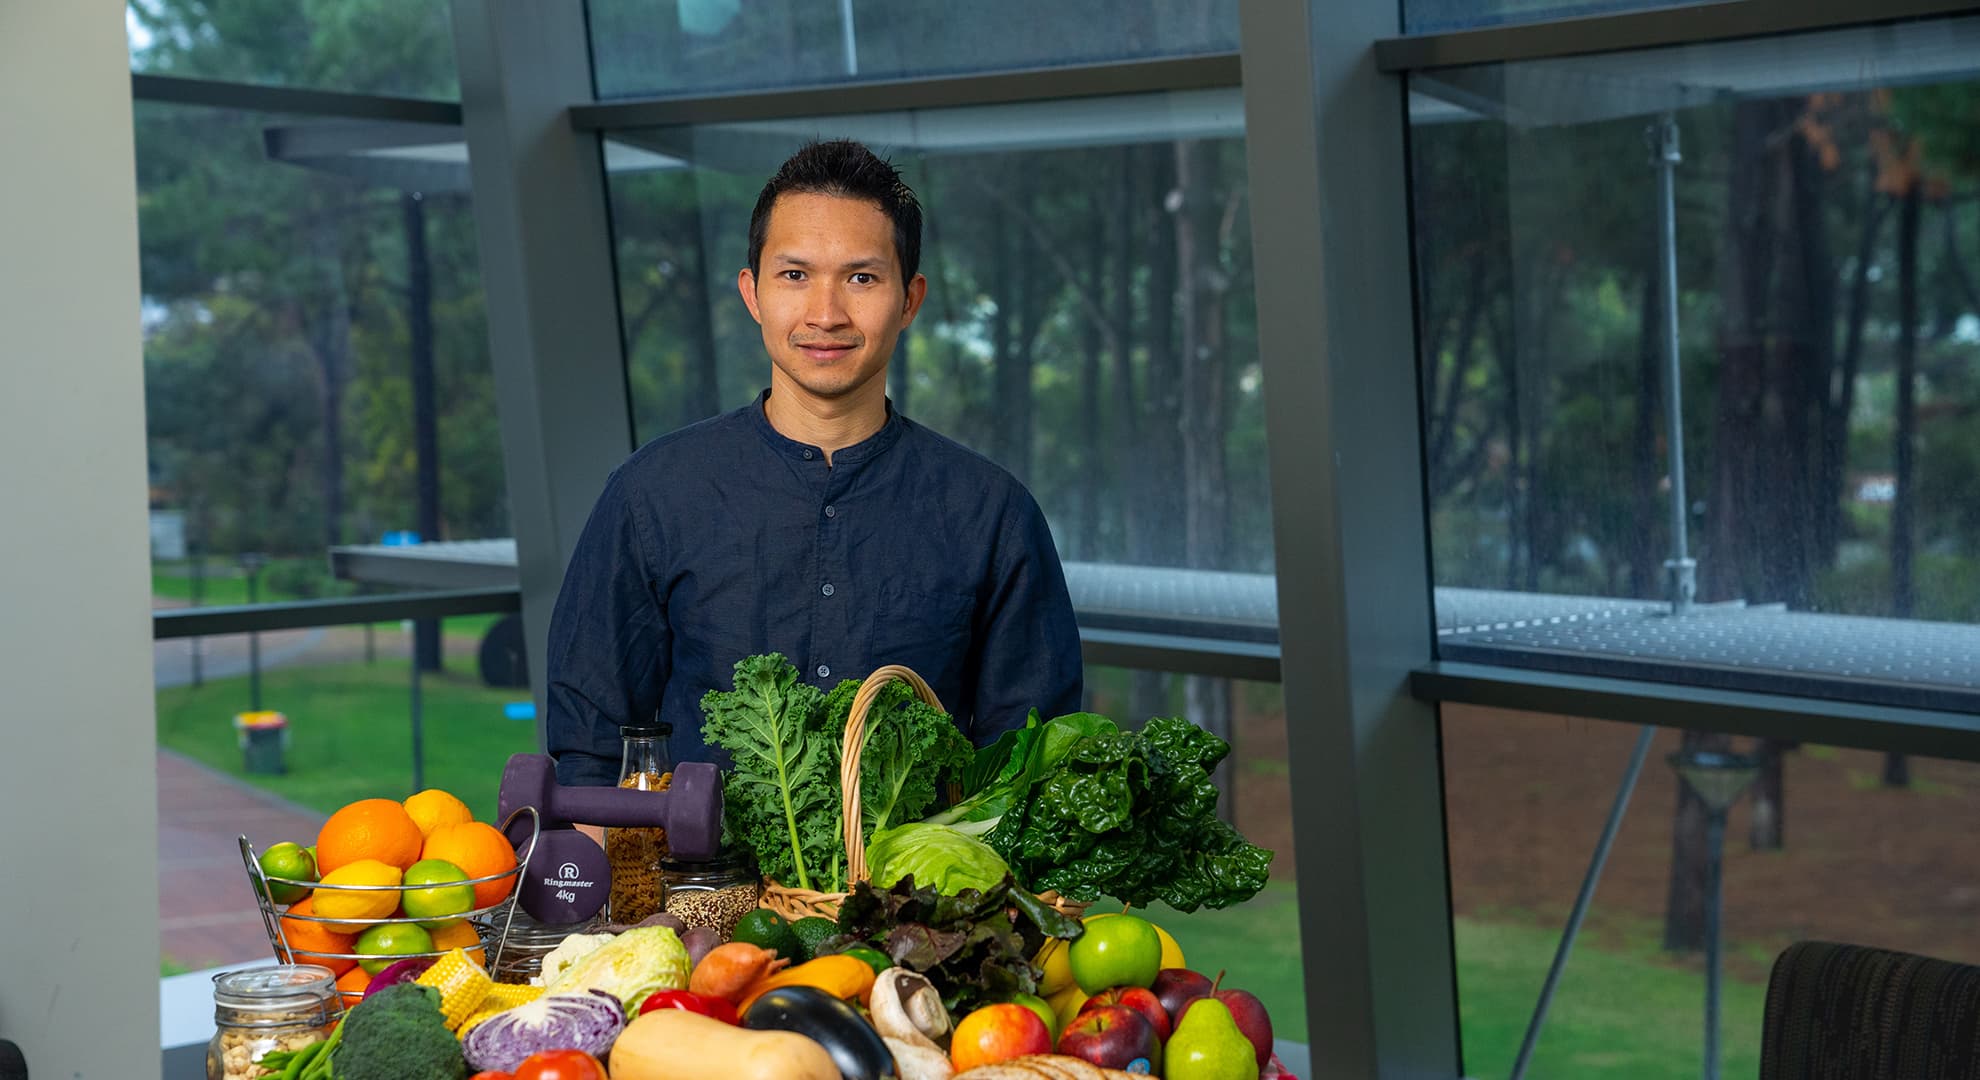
{"x":711,"y":892}
{"x":261,"y":1010}
{"x":635,"y":853}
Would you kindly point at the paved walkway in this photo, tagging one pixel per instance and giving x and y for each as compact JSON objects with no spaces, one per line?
{"x":206,"y":910}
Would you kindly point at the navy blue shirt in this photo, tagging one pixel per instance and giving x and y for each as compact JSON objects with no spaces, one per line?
{"x":726,"y":539}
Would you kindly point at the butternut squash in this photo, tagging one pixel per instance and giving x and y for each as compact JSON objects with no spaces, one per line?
{"x":669,"y":1044}
{"x":847,"y":978}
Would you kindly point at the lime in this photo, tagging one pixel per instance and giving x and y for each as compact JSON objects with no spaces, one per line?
{"x":874,"y":958}
{"x":380,"y":944}
{"x":435,"y":906}
{"x":811,"y":932}
{"x":287,"y":860}
{"x":766,"y":929}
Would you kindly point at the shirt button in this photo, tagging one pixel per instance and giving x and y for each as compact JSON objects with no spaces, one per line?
{"x":831,"y":511}
{"x":824,"y":672}
{"x":807,"y":455}
{"x":827,"y":590}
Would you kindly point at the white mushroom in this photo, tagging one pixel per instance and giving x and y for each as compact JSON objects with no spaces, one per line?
{"x":907,"y":1008}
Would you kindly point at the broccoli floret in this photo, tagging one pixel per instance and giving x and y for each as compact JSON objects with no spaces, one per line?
{"x":398,"y":1034}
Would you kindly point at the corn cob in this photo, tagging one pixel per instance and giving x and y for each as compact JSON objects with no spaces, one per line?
{"x":501,"y":998}
{"x":462,"y":984}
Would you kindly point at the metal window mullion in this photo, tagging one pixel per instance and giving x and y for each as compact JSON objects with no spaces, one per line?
{"x":304,"y":614}
{"x":291,"y":100}
{"x":1679,"y":24}
{"x":546,"y":269}
{"x":1331,"y":239}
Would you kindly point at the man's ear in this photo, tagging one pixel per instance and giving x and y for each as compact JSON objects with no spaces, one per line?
{"x":746,"y":285}
{"x":917,"y":291}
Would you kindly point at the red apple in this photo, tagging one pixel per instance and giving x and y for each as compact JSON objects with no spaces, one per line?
{"x":996,"y":1033}
{"x":1141,"y":1001}
{"x":1175,"y":988}
{"x":1253,"y":1022}
{"x":1114,"y":1037}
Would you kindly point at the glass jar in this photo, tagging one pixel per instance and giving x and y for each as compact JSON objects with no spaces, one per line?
{"x":711,"y":892}
{"x":635,"y":853}
{"x":261,"y":1010}
{"x":527,"y":943}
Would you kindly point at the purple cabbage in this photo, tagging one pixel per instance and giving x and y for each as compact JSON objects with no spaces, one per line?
{"x":590,"y":1022}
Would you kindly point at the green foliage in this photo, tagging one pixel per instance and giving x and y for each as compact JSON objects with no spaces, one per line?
{"x":398,"y":1034}
{"x":781,"y":795}
{"x":910,"y":748}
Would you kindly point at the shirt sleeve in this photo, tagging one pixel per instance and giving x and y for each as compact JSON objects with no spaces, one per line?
{"x":1029,"y":656}
{"x":609,"y":643}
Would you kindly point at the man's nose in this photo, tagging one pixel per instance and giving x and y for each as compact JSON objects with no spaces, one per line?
{"x":825,"y":309}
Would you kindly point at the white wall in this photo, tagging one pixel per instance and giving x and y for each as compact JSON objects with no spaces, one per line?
{"x":78,"y":774}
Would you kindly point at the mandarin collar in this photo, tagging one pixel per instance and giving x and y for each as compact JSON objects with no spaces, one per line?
{"x":872,"y":446}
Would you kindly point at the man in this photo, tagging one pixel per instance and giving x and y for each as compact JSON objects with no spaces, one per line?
{"x":815,"y":521}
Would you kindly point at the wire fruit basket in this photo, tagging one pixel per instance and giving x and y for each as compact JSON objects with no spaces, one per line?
{"x":483,"y":919}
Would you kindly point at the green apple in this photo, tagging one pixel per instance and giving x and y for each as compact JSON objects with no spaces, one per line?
{"x":1044,"y":1010}
{"x":1123,"y":950}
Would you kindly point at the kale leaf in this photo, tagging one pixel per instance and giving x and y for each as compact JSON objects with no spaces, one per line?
{"x":911,"y":746}
{"x":781,"y":797}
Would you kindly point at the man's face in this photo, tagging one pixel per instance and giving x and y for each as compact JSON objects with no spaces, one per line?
{"x":830,"y":299}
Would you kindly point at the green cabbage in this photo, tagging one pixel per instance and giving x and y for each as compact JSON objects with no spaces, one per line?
{"x":937,"y":855}
{"x":631,"y":966}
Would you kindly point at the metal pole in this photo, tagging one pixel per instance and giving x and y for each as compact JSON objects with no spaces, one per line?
{"x":418,"y":729}
{"x":1583,"y":899}
{"x":198,"y":593}
{"x":849,"y":36}
{"x":1715,"y":843}
{"x":1665,"y":156}
{"x":254,"y":644}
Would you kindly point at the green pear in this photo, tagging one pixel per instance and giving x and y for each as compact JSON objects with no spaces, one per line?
{"x":1207,"y":1045}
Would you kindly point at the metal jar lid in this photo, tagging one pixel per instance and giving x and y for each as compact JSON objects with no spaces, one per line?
{"x":281,"y":995}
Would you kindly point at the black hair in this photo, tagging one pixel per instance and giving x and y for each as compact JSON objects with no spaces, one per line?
{"x":846,"y":169}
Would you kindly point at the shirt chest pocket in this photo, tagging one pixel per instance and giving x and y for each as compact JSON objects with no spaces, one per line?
{"x":928,"y":629}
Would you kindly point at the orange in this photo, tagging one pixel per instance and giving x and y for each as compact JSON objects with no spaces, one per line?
{"x":352,"y":983}
{"x":460,"y":935}
{"x":368,"y":829}
{"x":481,"y":850}
{"x":433,"y":808}
{"x":316,"y":937}
{"x":334,"y":902}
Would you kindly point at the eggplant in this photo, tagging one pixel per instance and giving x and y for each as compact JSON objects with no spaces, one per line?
{"x":855,"y":1047}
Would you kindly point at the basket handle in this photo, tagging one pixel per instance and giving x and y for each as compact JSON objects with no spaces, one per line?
{"x":855,"y":745}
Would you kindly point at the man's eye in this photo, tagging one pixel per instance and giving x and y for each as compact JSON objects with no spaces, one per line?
{"x":792,"y":275}
{"x":864,"y":279}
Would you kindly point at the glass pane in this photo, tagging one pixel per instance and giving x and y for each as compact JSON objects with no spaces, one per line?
{"x":1431,"y":16}
{"x":1089,"y":322}
{"x":316,"y":358}
{"x":663,"y":47}
{"x":1827,"y":332}
{"x":346,"y":695}
{"x":1256,"y":943}
{"x":399,"y":47}
{"x":1820,"y":846}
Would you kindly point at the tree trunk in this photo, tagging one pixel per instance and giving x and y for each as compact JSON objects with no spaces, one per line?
{"x":701,"y":396}
{"x":1842,"y":392}
{"x":426,"y":439}
{"x":330,"y":340}
{"x":1136,"y":525}
{"x":1897,"y":771}
{"x":1093,"y":358}
{"x":1767,"y":830}
{"x":1684,"y":905}
{"x":1160,"y":470}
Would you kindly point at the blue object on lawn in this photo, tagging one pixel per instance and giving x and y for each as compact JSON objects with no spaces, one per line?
{"x":400,"y":538}
{"x":520,"y":710}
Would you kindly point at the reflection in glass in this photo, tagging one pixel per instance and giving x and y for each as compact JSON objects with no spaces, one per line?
{"x":400,"y":47}
{"x":705,"y":46}
{"x":1433,"y":16}
{"x":1825,"y":850}
{"x":1823,"y":245}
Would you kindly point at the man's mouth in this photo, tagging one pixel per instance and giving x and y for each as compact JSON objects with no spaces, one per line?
{"x":825,"y":350}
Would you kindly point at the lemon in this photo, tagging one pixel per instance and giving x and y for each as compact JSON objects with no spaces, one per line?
{"x":288,"y":861}
{"x":332,"y":902}
{"x":437,"y":904}
{"x":1052,"y":959}
{"x":381,"y":943}
{"x":433,"y":808}
{"x":1172,"y":954}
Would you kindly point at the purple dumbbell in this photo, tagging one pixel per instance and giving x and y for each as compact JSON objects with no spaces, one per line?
{"x":690,"y":810}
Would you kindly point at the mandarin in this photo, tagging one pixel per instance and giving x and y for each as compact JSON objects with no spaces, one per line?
{"x":482,"y":851}
{"x":316,"y":937}
{"x":433,"y":808}
{"x":377,"y":829}
{"x":460,"y":935}
{"x":352,"y":983}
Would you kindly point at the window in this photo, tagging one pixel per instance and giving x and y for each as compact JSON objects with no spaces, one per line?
{"x":401,"y":47}
{"x":1820,"y":846}
{"x":1089,"y":321}
{"x":1432,"y":16}
{"x":1824,"y":246}
{"x":705,"y":46}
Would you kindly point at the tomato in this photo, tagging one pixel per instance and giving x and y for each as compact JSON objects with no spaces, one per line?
{"x":492,"y":1075}
{"x":685,"y":1001}
{"x":560,"y":1065}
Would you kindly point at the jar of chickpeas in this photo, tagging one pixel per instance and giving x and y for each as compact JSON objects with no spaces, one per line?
{"x":261,"y":1010}
{"x":636,"y":853}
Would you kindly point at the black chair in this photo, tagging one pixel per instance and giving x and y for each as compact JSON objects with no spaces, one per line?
{"x":1848,"y":1012}
{"x":12,"y":1065}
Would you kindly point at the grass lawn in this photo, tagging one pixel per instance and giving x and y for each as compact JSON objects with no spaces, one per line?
{"x":350,"y":732}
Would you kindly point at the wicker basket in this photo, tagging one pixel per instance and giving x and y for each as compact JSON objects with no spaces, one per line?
{"x":793,"y":903}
